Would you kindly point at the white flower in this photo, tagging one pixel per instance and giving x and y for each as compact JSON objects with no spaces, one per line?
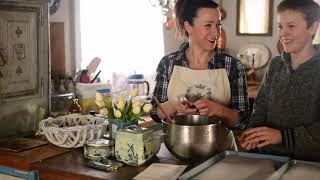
{"x":117,"y":114}
{"x":136,"y":110}
{"x":134,"y":92}
{"x":100,"y":104}
{"x":99,"y":97}
{"x":136,"y":104}
{"x":147,"y":108}
{"x":103,"y":112}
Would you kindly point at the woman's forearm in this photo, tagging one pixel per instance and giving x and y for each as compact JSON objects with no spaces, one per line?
{"x":229,"y":116}
{"x":168,"y":107}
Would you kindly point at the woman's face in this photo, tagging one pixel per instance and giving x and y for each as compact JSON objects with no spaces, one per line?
{"x":293,"y":32}
{"x":206,"y":28}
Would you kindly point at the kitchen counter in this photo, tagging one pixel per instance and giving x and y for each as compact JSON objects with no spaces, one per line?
{"x":54,"y":162}
{"x":73,"y":166}
{"x":24,"y":160}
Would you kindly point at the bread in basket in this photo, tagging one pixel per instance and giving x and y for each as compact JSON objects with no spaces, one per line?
{"x":73,"y":130}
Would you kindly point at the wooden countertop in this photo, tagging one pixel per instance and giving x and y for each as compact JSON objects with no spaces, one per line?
{"x":24,"y":160}
{"x":73,"y":166}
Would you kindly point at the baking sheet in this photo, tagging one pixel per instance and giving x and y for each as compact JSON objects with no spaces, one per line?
{"x":297,"y":170}
{"x":237,"y":165}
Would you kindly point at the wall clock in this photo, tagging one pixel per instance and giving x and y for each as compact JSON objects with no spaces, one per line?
{"x":54,"y":6}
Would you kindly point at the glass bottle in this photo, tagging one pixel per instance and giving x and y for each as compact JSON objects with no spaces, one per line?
{"x":75,"y":107}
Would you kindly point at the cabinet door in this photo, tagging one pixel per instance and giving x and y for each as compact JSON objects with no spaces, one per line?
{"x":24,"y":65}
{"x":20,"y":65}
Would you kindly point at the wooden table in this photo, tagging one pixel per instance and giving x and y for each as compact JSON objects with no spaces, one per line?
{"x":73,"y":166}
{"x":24,"y":160}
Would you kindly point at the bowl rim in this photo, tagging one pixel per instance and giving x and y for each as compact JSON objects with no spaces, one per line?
{"x":188,"y":126}
{"x":43,"y":123}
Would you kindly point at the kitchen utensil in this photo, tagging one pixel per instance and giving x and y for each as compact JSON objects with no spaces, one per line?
{"x":95,"y":77}
{"x":93,"y":65}
{"x":163,"y":111}
{"x":192,"y":137}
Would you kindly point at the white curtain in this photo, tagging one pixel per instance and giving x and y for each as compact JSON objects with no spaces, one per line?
{"x":127,"y":35}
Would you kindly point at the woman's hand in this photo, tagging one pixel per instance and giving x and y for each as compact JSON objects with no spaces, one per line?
{"x":260,"y":137}
{"x":209,"y":108}
{"x":183,"y":107}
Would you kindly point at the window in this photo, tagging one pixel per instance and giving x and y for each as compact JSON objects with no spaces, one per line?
{"x":254,"y":17}
{"x":127,"y":35}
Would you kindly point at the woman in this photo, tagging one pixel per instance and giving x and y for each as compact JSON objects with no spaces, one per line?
{"x":197,"y":69}
{"x":286,"y":118}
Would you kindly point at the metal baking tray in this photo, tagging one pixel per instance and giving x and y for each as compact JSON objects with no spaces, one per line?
{"x":275,"y":161}
{"x":296,"y":170}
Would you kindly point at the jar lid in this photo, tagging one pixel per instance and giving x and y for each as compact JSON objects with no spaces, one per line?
{"x":99,"y":142}
{"x":136,"y":76}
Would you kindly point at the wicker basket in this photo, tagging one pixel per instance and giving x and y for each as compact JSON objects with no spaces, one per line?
{"x":73,"y":130}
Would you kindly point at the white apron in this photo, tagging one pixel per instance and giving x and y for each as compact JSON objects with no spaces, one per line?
{"x":212,"y":84}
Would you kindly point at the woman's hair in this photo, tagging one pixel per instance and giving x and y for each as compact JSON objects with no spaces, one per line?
{"x":186,"y":10}
{"x":308,"y":8}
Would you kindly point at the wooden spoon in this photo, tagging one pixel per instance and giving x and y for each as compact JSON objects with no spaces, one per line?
{"x":160,"y":106}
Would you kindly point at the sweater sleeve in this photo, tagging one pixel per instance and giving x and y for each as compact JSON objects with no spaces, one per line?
{"x":303,"y":142}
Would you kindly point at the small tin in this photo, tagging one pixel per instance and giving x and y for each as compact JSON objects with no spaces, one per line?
{"x":98,"y":149}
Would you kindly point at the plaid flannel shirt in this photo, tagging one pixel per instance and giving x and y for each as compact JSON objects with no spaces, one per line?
{"x":235,"y":72}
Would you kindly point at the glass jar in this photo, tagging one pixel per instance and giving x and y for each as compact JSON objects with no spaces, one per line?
{"x":60,"y":103}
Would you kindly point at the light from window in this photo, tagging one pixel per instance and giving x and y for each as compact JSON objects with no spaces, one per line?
{"x":127,"y":35}
{"x":254,"y":16}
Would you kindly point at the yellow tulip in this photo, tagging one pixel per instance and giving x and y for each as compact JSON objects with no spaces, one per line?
{"x":121,"y":105}
{"x":120,"y":98}
{"x":100,"y":104}
{"x":136,"y":104}
{"x":147,"y":108}
{"x":103,"y":112}
{"x":134,"y":92}
{"x":117,"y":114}
{"x":99,"y":97}
{"x":136,"y":110}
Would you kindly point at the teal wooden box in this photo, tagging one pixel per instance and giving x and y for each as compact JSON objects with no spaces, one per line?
{"x":133,"y":146}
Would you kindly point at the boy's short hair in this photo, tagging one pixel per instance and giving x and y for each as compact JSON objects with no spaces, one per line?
{"x":308,"y":8}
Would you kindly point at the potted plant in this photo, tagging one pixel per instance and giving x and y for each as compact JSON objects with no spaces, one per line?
{"x":124,"y":112}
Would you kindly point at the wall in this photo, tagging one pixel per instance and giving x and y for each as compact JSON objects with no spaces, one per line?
{"x":73,"y":58}
{"x":65,"y":14}
{"x":234,"y":42}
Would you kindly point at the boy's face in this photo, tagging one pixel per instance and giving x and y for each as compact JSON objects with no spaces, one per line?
{"x":294,"y":34}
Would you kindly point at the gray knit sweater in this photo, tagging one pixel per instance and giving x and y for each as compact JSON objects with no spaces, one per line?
{"x":289,"y":100}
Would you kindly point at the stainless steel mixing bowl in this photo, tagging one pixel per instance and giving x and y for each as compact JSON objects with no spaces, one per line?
{"x":191,"y":137}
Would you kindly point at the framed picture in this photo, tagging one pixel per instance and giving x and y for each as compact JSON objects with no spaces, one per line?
{"x":254,"y":17}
